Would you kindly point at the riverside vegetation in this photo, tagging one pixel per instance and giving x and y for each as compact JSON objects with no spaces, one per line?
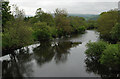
{"x":107,"y":51}
{"x":19,"y":31}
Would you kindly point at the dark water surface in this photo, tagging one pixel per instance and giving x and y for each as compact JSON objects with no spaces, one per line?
{"x":60,"y":58}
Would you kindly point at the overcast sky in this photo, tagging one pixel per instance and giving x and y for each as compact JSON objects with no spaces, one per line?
{"x":72,"y":6}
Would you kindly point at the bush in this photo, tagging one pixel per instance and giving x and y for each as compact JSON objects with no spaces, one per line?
{"x":18,"y":34}
{"x":67,"y":30}
{"x":42,"y":35}
{"x":41,"y":31}
{"x":111,"y":56}
{"x":77,"y":24}
{"x":91,"y":24}
{"x":60,"y":32}
{"x":95,"y":49}
{"x":115,"y":33}
{"x":81,"y":29}
{"x":106,"y":22}
{"x":53,"y":30}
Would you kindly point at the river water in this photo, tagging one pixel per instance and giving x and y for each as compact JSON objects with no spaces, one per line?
{"x":59,"y":58}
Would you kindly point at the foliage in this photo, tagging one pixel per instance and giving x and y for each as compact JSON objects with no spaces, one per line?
{"x":41,"y":27}
{"x":53,"y":31}
{"x":6,"y":13}
{"x":115,"y":33}
{"x":31,"y":20}
{"x":18,"y":13}
{"x":62,"y":22}
{"x":60,"y":12}
{"x":111,"y":56}
{"x":91,"y":24}
{"x":81,"y":29}
{"x":45,"y":17}
{"x":77,"y":23}
{"x":41,"y":31}
{"x":68,"y":25}
{"x":95,"y":49}
{"x":106,"y":54}
{"x":109,"y":28}
{"x":18,"y":34}
{"x":106,"y":22}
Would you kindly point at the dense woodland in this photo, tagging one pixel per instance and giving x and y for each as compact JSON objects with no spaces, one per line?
{"x":19,"y":30}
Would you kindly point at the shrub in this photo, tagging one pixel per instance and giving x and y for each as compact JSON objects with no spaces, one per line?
{"x":106,"y":22}
{"x":115,"y":33}
{"x":95,"y":49}
{"x":81,"y":29}
{"x":41,"y":31}
{"x":18,"y":34}
{"x":42,"y":35}
{"x":53,"y":30}
{"x":111,"y":56}
{"x":60,"y":32}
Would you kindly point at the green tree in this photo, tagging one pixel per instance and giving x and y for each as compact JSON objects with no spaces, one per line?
{"x":60,"y":12}
{"x":62,"y":22}
{"x":6,"y":13}
{"x":115,"y":33}
{"x":18,"y":34}
{"x":111,"y":56}
{"x":95,"y":49}
{"x":91,"y":24}
{"x":45,"y":17}
{"x":77,"y":23}
{"x":18,"y":13}
{"x":106,"y":22}
{"x":41,"y":31}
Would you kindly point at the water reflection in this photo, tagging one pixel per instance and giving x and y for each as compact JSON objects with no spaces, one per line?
{"x":43,"y":53}
{"x":62,"y":51}
{"x":48,"y":51}
{"x":93,"y":65}
{"x":21,"y":63}
{"x":18,"y":66}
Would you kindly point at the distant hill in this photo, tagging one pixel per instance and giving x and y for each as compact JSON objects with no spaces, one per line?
{"x":86,"y":16}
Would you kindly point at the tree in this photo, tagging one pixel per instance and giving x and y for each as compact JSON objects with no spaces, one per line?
{"x":17,"y":35}
{"x":95,"y":49}
{"x":91,"y":24}
{"x":41,"y":31}
{"x":6,"y":13}
{"x":111,"y":56}
{"x":106,"y":22}
{"x":45,"y":17}
{"x":115,"y":33}
{"x":77,"y":23}
{"x":62,"y":22}
{"x":60,"y":12}
{"x":18,"y":14}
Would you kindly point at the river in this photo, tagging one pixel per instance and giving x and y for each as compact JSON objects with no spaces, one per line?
{"x":59,"y":58}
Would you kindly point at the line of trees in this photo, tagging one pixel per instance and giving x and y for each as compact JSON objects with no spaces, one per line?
{"x":19,"y":31}
{"x":107,"y":51}
{"x":108,"y":25}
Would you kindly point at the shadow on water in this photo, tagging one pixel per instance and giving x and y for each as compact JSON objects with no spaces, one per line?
{"x":93,"y":65}
{"x":57,"y":51}
{"x":20,"y":64}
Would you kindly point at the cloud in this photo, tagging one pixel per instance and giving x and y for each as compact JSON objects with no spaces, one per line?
{"x":72,"y":6}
